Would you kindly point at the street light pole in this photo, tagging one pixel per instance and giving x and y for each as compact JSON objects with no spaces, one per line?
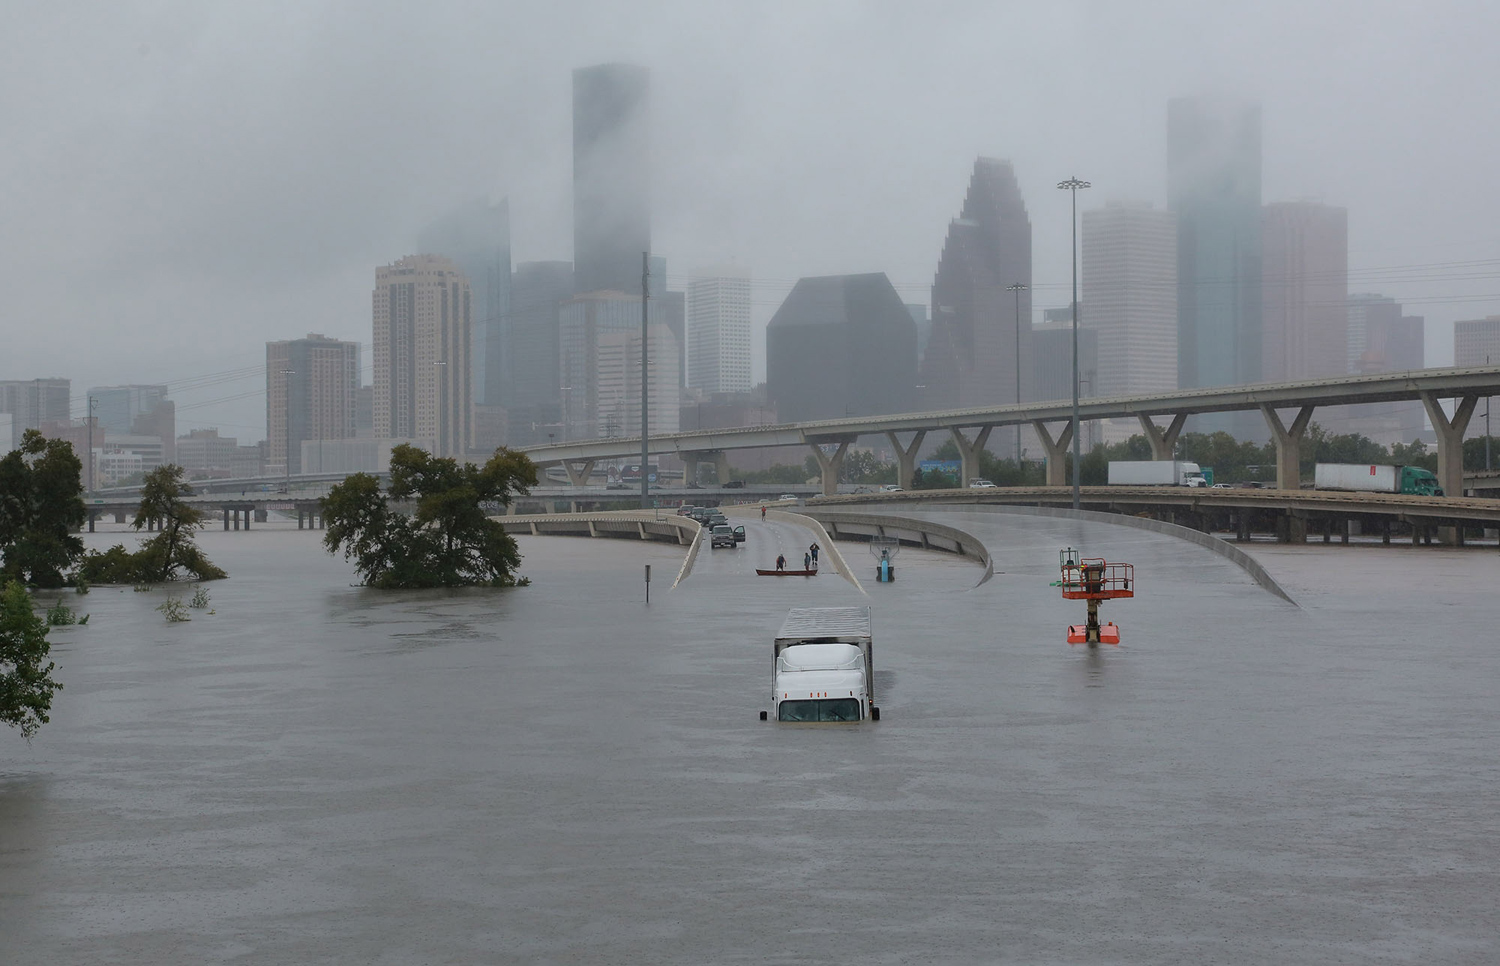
{"x":645,"y":395}
{"x":1018,"y":288}
{"x":1487,"y":402}
{"x":1072,"y":185}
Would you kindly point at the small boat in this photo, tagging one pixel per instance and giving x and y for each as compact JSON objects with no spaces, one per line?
{"x":786,"y":573}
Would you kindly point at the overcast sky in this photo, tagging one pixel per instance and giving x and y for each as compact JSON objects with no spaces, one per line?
{"x":184,"y":181}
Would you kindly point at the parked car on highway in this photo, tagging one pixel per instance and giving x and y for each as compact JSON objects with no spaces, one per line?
{"x":891,"y":488}
{"x":787,"y":496}
{"x":686,"y":510}
{"x":982,"y":485}
{"x":1222,"y":486}
{"x":723,"y":536}
{"x":735,"y":485}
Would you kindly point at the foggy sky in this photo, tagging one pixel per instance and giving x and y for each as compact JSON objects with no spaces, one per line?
{"x":187,"y":180}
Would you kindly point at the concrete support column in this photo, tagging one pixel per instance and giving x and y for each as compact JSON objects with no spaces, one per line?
{"x":1163,"y":441}
{"x":969,"y":452}
{"x":1056,"y":450}
{"x":579,"y":471}
{"x":226,"y":519}
{"x":1450,"y":440}
{"x":689,"y":467}
{"x":1288,"y":446}
{"x":721,"y":465}
{"x":120,"y":516}
{"x":829,"y":466}
{"x":236,"y":515}
{"x":92,"y":517}
{"x":906,"y":457}
{"x":249,"y":514}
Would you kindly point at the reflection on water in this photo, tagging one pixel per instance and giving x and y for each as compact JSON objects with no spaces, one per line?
{"x":321,"y":773}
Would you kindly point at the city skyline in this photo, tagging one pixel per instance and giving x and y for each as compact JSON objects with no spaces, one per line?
{"x":712,"y":173}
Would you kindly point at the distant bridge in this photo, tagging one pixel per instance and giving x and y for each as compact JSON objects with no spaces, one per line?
{"x":971,"y":428}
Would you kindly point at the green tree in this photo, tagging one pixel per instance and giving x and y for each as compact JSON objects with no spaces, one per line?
{"x":164,"y":506}
{"x":41,"y":508}
{"x":26,"y":685}
{"x":448,"y":540}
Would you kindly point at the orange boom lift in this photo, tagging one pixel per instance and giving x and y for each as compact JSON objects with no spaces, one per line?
{"x":1092,"y":579}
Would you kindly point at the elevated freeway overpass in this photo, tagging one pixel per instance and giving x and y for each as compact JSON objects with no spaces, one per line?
{"x":971,"y":428}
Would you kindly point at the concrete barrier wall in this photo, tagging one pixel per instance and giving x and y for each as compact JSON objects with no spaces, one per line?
{"x":1237,"y":556}
{"x":852,"y":525}
{"x":626,"y":525}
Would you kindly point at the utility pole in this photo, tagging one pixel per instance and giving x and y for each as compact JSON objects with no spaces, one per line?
{"x":94,"y":406}
{"x":1018,"y":288}
{"x":645,"y":385}
{"x":1072,"y":185}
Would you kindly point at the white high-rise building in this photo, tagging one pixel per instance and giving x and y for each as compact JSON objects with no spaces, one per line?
{"x":1130,"y":297}
{"x":1130,"y":301}
{"x":718,"y":330}
{"x":423,"y":387}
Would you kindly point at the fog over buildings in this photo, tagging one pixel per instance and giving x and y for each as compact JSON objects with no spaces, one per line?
{"x":192,"y":181}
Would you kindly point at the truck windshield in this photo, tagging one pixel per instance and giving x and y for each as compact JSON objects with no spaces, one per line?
{"x":831,"y":709}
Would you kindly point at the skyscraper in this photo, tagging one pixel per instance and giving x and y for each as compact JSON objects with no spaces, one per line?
{"x":311,"y":387}
{"x":1213,"y":184}
{"x":422,"y":321}
{"x":1130,"y":288}
{"x":538,"y":289}
{"x":970,"y":358}
{"x":1305,"y":286}
{"x":611,"y":176}
{"x":596,"y":331}
{"x":1382,"y":339}
{"x":718,"y":330}
{"x":476,"y":238}
{"x":841,"y":345}
{"x":32,"y":402}
{"x":117,"y":407}
{"x":1476,"y":342}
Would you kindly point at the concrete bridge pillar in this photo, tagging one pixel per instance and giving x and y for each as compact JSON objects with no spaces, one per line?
{"x":906,"y":457}
{"x":92,"y":517}
{"x":1450,"y":440}
{"x":1288,"y":446}
{"x":579,"y":471}
{"x":119,"y":516}
{"x":226,"y":518}
{"x":689,"y":467}
{"x":722,"y":472}
{"x":1163,"y":441}
{"x":1056,"y":450}
{"x":969,"y":452}
{"x":829,"y":466}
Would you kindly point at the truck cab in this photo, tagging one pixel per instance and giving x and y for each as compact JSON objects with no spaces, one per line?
{"x":824,"y":666}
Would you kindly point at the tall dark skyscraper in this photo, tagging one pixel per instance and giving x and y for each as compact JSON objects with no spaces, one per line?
{"x":611,"y":176}
{"x":841,"y":345}
{"x":970,"y":359}
{"x":476,"y":238}
{"x":537,"y":291}
{"x":1213,"y":186}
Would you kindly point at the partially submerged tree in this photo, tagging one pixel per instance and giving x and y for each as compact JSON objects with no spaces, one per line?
{"x":41,"y":508}
{"x":165,"y":509}
{"x":26,"y":685}
{"x":448,"y":540}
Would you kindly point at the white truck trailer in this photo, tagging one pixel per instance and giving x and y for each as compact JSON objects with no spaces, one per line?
{"x":824,"y":666}
{"x":1155,"y":473}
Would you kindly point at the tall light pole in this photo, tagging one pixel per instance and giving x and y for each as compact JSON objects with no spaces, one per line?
{"x":286,"y":423}
{"x":94,"y":407}
{"x":1072,"y":185}
{"x":1487,"y":402}
{"x":645,"y":395}
{"x":1018,"y":288}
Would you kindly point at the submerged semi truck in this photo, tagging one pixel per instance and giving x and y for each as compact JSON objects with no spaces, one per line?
{"x":1375,"y":478}
{"x":1157,"y":473}
{"x":824,"y":666}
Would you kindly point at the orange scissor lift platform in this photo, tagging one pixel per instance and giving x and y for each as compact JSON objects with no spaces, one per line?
{"x":1094,"y":579}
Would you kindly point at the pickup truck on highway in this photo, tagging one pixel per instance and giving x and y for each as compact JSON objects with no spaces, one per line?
{"x":723,"y":536}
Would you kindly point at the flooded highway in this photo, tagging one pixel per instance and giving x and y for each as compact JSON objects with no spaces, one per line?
{"x":320,"y":773}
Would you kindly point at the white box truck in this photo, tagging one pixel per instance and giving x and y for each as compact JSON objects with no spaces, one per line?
{"x":824,"y":666}
{"x":1375,"y":478}
{"x":1155,"y":473}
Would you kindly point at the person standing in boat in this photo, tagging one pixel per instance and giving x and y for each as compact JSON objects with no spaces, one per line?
{"x":814,"y":551}
{"x":781,"y":561}
{"x":807,"y":560}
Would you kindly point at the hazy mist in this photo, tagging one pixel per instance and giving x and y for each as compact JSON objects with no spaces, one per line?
{"x":185,"y":181}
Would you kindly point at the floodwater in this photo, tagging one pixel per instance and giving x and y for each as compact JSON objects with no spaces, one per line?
{"x":319,"y":773}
